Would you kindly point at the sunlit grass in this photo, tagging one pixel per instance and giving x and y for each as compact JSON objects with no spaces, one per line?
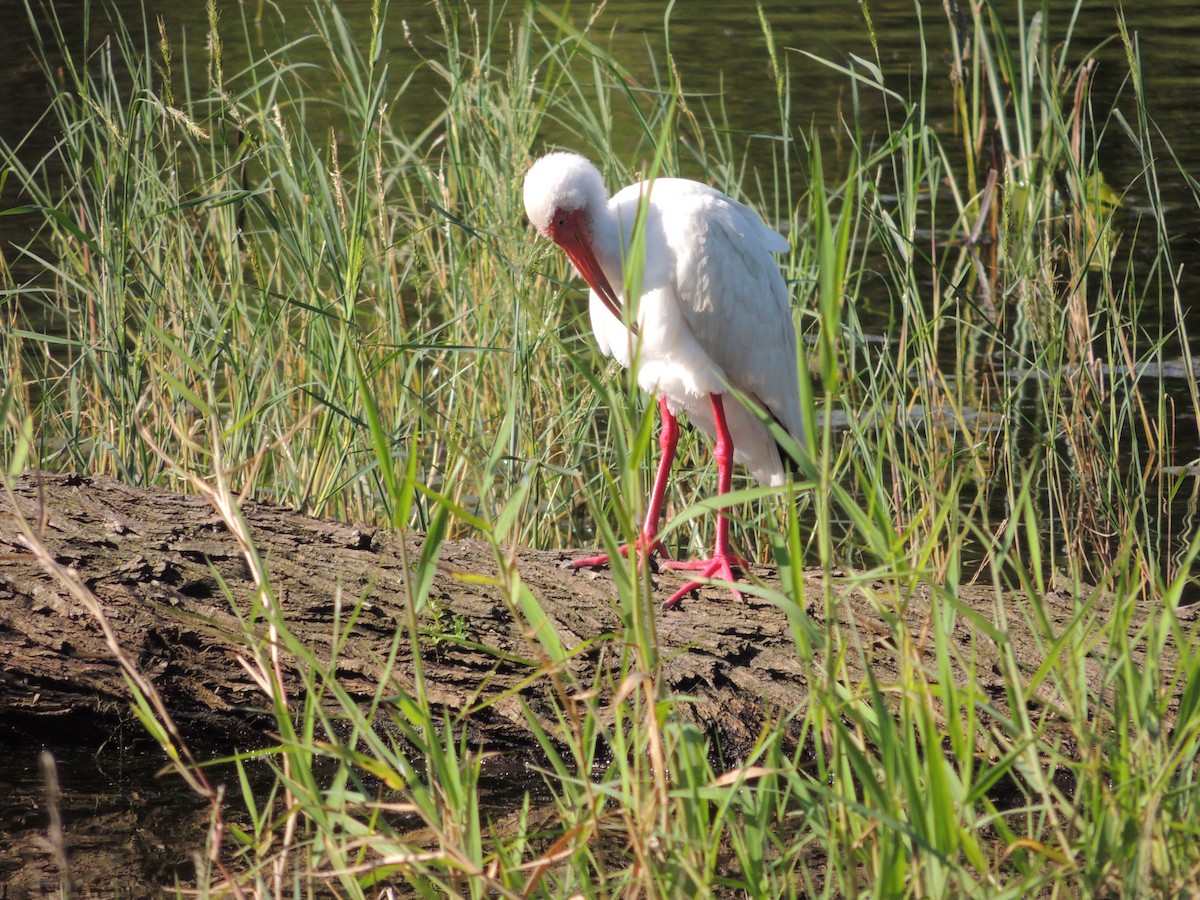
{"x":354,"y":320}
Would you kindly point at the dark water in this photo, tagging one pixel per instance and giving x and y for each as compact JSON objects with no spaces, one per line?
{"x":720,"y":51}
{"x":126,"y":827}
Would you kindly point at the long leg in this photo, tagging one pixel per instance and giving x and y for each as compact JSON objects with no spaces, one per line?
{"x":648,"y":542}
{"x":668,"y":440}
{"x":723,"y":563}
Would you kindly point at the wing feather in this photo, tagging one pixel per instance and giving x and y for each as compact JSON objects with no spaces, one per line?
{"x":733,"y":297}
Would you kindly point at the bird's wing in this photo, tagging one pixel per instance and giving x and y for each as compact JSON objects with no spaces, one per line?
{"x":732,"y":295}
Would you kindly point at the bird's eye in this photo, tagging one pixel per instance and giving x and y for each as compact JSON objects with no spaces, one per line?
{"x":561,"y":221}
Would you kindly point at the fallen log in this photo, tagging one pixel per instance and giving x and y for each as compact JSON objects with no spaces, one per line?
{"x":156,"y":560}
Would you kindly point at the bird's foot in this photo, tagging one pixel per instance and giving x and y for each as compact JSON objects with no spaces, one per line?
{"x":646,"y":548}
{"x":722,"y":566}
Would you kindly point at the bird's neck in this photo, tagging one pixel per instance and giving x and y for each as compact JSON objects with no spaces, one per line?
{"x":606,"y":241}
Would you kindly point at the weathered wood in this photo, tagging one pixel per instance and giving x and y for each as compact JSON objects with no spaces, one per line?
{"x":152,"y":557}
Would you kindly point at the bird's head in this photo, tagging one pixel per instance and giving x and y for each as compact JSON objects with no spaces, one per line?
{"x":563,"y":190}
{"x":564,"y":199}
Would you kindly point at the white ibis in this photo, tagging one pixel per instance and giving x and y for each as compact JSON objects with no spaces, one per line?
{"x":713,"y":319}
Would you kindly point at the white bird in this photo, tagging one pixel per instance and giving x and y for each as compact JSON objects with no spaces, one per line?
{"x":712,"y":317}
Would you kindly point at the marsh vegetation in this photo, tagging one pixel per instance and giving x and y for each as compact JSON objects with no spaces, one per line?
{"x":228,"y":289}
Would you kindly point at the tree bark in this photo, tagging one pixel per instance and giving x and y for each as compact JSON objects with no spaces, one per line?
{"x":157,"y":560}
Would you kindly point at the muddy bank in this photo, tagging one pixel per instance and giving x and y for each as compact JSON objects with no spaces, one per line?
{"x":153,"y":559}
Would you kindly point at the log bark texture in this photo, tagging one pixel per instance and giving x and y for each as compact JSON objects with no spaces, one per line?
{"x":153,"y":558}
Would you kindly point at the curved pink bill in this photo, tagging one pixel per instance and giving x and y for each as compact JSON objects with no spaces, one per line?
{"x":571,"y":233}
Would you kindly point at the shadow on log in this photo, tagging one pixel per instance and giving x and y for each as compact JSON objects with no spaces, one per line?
{"x":152,"y":558}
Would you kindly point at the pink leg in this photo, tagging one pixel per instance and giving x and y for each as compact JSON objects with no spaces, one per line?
{"x":723,"y":562}
{"x":648,"y":542}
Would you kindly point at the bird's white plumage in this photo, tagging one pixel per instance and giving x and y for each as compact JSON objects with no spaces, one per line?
{"x":713,"y":310}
